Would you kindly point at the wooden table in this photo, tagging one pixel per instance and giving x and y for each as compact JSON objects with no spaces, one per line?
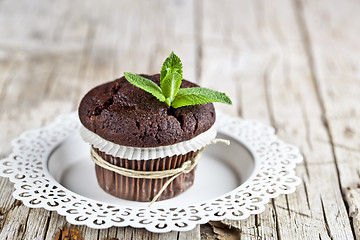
{"x":292,"y":64}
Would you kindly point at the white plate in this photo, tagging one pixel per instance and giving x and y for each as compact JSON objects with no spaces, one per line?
{"x":70,"y":165}
{"x":51,"y":168}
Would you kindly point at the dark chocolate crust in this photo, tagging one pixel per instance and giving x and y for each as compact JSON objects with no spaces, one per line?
{"x":140,"y":189}
{"x":124,"y":114}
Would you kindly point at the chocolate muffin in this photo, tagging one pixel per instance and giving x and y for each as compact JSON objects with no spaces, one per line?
{"x":128,"y":127}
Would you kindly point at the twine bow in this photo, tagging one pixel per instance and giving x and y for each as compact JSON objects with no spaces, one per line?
{"x":186,"y":167}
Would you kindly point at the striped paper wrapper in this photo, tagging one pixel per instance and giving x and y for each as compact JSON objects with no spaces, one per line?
{"x":139,"y":189}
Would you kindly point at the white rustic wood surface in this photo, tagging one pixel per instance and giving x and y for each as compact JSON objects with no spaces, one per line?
{"x":292,"y":64}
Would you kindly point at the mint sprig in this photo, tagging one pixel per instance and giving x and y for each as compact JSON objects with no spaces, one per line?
{"x":170,"y":91}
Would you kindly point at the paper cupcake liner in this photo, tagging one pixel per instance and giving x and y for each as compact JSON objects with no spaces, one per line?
{"x":143,"y":190}
{"x":135,"y":153}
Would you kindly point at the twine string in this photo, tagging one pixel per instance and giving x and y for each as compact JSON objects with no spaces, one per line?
{"x":186,"y":167}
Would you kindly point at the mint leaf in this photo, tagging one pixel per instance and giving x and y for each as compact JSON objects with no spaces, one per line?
{"x":198,"y":95}
{"x":146,"y":85}
{"x":170,"y":86}
{"x":171,"y":64}
{"x":169,"y":90}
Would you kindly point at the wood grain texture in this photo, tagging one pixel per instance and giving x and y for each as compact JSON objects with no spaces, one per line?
{"x":291,"y":64}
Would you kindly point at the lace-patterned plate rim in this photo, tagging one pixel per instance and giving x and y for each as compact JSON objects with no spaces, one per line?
{"x":273,"y":174}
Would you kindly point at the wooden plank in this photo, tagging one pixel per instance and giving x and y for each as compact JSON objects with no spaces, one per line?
{"x":353,"y":200}
{"x":15,"y":223}
{"x":230,"y":63}
{"x":336,"y":73}
{"x":35,"y":61}
{"x":268,"y":56}
{"x":334,"y":56}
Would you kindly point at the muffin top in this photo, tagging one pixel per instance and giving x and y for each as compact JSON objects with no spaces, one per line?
{"x":124,"y":114}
